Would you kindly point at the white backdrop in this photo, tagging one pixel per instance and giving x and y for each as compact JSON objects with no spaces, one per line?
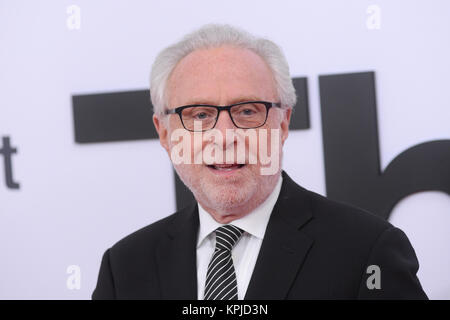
{"x":75,"y":201}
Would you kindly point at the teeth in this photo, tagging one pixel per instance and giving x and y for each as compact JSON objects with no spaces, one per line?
{"x":226,"y":167}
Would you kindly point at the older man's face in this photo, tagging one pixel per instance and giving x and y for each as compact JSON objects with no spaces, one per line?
{"x":223,"y":76}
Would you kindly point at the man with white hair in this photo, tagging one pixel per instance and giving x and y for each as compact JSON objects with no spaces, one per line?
{"x":223,"y":100}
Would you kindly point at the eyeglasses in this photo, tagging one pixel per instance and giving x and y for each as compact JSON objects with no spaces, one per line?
{"x":244,"y":115}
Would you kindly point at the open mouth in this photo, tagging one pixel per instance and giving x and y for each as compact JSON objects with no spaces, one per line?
{"x":225,"y":167}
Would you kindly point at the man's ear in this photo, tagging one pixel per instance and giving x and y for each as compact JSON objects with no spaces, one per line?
{"x":162,"y":130}
{"x":285,"y":120}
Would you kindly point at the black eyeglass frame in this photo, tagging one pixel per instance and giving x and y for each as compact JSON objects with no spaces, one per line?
{"x":179,"y":111}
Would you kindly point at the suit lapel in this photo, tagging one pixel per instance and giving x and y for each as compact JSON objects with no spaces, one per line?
{"x":176,"y":257}
{"x":284,"y":247}
{"x":282,"y":253}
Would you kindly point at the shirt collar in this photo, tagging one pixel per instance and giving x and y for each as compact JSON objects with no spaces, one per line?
{"x":255,"y":222}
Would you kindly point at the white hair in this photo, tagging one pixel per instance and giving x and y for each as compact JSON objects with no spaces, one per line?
{"x":213,"y":36}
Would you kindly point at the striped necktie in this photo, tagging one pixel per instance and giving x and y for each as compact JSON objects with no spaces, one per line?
{"x":221,"y":281}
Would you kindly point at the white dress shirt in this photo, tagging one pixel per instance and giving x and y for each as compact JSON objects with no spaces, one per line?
{"x":246,"y":250}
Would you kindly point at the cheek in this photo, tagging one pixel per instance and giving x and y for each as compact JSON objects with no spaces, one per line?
{"x":272,"y":139}
{"x":174,"y":122}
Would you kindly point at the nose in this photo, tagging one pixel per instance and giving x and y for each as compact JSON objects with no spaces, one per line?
{"x":224,"y":121}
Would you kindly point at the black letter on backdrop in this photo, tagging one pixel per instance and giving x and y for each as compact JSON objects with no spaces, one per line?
{"x":7,"y":152}
{"x":351,"y":150}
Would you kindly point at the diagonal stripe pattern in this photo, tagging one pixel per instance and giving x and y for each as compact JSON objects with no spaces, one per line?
{"x":221,"y":281}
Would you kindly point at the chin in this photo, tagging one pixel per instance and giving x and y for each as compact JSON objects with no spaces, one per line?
{"x":227,"y":193}
{"x":220,"y":193}
{"x":226,"y":198}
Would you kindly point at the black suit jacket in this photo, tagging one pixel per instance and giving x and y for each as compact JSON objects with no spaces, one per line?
{"x":314,"y":248}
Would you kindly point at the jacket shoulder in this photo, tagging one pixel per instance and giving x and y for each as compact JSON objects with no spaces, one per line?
{"x":149,"y":236}
{"x":346,"y":219}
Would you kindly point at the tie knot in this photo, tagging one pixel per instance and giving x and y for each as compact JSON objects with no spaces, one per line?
{"x":227,"y":236}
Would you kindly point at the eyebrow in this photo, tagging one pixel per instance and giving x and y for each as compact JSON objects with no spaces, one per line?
{"x":233,"y":101}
